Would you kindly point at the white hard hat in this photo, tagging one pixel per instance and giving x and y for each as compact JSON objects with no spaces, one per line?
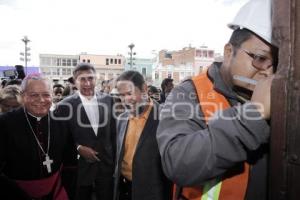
{"x":256,"y":17}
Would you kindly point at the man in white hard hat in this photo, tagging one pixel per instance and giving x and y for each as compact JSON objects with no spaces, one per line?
{"x":214,"y":132}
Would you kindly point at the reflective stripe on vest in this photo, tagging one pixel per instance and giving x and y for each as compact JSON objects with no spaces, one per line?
{"x":232,"y":187}
{"x":211,"y":190}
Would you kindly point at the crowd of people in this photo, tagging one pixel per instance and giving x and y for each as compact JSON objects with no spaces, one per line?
{"x":206,"y":138}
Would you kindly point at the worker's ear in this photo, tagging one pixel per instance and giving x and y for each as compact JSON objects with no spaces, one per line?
{"x":228,"y":54}
{"x":228,"y":51}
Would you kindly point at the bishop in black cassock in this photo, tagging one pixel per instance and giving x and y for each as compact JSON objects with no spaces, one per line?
{"x":33,"y":146}
{"x":21,"y":158}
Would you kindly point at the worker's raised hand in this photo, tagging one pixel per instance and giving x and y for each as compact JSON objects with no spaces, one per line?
{"x":262,"y":96}
{"x":88,"y":153}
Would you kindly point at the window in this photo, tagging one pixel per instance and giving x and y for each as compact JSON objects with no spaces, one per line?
{"x":74,"y":62}
{"x":116,"y":61}
{"x":119,"y":61}
{"x":64,"y":62}
{"x":144,"y":71}
{"x":83,"y":60}
{"x":58,"y":62}
{"x":198,"y":53}
{"x":107,"y":61}
{"x":168,"y":55}
{"x":69,"y":72}
{"x":88,"y":60}
{"x":205,"y":54}
{"x":111,"y":61}
{"x":156,"y":76}
{"x":68,"y":62}
{"x":210,"y":54}
{"x":64,"y":71}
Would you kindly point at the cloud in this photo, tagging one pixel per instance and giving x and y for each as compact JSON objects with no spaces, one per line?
{"x":7,"y":2}
{"x":230,"y":2}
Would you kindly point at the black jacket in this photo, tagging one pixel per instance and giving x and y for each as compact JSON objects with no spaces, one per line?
{"x":71,"y":111}
{"x":148,"y":179}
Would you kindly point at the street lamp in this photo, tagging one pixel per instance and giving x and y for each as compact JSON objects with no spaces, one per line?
{"x":26,"y":53}
{"x":131,"y":46}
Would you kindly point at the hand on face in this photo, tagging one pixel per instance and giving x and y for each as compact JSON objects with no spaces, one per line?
{"x":252,"y":60}
{"x":262,"y":96}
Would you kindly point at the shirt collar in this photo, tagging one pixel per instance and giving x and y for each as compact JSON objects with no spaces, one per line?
{"x":83,"y":98}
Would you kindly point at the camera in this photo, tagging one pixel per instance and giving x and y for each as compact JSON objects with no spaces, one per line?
{"x":10,"y":73}
{"x":17,"y":73}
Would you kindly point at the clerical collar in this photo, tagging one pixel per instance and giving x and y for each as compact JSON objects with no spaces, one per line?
{"x":37,"y":118}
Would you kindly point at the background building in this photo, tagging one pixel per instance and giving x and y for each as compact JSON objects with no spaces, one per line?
{"x":181,"y":64}
{"x":142,"y":65}
{"x":107,"y":66}
{"x":58,"y":67}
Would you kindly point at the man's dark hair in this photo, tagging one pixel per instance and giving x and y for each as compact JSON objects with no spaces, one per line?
{"x":239,"y":36}
{"x":152,"y":89}
{"x":105,"y":82}
{"x":135,"y":77}
{"x":20,"y":71}
{"x":14,"y":82}
{"x":71,"y":80}
{"x":165,"y":82}
{"x":83,"y":67}
{"x":3,"y":83}
{"x":58,"y":85}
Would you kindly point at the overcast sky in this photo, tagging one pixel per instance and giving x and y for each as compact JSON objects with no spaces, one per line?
{"x":109,"y":26}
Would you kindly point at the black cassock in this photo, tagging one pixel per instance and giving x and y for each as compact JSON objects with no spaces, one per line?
{"x":20,"y":155}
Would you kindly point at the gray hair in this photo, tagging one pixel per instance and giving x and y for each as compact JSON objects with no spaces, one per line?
{"x":36,"y":77}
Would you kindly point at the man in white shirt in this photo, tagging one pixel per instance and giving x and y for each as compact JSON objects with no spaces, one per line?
{"x":89,"y":117}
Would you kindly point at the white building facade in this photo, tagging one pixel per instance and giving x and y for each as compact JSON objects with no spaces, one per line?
{"x":58,"y":68}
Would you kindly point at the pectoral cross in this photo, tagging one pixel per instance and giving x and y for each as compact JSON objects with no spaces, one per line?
{"x":47,"y":163}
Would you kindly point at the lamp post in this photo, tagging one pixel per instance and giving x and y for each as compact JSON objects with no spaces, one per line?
{"x":131,"y":46}
{"x":26,"y":53}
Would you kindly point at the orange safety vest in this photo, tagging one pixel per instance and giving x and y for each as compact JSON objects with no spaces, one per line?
{"x":230,"y":187}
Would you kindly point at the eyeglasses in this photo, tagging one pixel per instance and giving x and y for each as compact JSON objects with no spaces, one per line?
{"x":259,"y":61}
